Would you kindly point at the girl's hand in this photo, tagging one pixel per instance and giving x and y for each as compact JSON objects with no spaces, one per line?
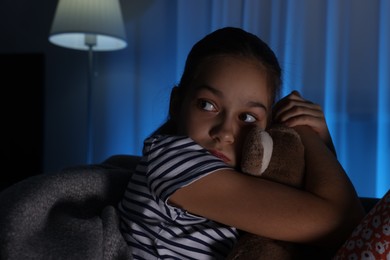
{"x":293,"y":110}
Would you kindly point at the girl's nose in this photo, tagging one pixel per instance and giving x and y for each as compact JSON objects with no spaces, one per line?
{"x":223,"y":131}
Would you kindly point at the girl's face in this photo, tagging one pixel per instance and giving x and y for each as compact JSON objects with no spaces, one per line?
{"x":227,"y":98}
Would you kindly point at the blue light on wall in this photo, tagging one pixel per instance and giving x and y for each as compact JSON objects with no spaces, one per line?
{"x":335,"y":92}
{"x":383,"y":152}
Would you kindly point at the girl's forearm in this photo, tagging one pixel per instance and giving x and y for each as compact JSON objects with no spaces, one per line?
{"x":326,"y":178}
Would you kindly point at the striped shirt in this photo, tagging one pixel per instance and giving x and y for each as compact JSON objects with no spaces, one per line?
{"x":152,"y":227}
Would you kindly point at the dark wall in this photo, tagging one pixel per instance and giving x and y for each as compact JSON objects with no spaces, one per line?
{"x":24,"y":50}
{"x":22,"y":80}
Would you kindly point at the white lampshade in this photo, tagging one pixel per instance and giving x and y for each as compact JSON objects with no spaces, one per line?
{"x":77,"y":20}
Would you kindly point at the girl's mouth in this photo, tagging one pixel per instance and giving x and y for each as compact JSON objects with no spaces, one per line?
{"x":220,"y":156}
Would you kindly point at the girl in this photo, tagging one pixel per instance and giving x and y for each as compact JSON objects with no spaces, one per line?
{"x":188,"y":199}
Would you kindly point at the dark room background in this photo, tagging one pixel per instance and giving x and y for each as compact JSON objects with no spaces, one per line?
{"x":334,"y":52}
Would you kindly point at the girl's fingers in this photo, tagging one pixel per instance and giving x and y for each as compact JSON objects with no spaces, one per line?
{"x":293,"y":110}
{"x":292,"y":96}
{"x":317,"y":123}
{"x":292,"y":105}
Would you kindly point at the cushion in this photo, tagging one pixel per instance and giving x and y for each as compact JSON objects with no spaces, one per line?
{"x":371,"y":238}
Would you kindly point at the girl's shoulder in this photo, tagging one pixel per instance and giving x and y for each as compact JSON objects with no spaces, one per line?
{"x":159,"y":143}
{"x":165,"y":138}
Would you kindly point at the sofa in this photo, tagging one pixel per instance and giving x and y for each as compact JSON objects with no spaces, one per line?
{"x":71,"y":214}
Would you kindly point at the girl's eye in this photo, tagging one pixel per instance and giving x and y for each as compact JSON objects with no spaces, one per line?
{"x":248,"y":118}
{"x":205,"y":105}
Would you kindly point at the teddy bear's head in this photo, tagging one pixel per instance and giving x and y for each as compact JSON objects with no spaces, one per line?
{"x":276,"y":154}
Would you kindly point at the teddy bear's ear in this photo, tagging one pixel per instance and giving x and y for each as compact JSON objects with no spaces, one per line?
{"x":257,"y":152}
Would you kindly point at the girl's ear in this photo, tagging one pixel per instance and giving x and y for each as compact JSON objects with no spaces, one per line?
{"x":175,"y":103}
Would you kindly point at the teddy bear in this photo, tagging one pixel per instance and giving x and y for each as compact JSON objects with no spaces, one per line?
{"x":276,"y":154}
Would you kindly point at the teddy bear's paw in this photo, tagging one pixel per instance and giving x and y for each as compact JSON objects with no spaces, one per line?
{"x":257,"y":152}
{"x":253,"y":247}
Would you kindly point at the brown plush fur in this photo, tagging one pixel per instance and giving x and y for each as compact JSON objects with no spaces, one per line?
{"x":287,"y":167}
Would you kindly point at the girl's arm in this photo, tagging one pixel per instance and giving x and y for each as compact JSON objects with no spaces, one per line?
{"x":324,"y":213}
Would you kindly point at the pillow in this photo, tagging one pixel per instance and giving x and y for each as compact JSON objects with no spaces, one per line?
{"x":371,"y":238}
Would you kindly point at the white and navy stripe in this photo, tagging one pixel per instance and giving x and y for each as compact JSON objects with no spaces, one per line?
{"x":153,"y":228}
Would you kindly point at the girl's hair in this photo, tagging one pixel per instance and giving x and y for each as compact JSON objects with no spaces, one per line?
{"x":233,"y":42}
{"x":237,"y":42}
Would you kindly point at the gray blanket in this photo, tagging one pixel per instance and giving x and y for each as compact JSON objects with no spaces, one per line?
{"x":68,"y":215}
